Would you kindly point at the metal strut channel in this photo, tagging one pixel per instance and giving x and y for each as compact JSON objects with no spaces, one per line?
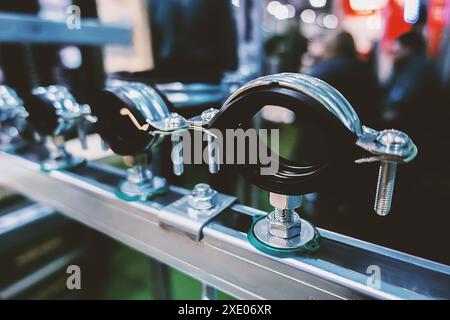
{"x":224,"y":258}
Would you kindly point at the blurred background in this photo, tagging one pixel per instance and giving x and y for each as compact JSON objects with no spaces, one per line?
{"x":389,"y":58}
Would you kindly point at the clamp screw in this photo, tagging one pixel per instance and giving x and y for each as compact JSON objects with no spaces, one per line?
{"x":202,"y":190}
{"x":175,"y":121}
{"x":207,"y":115}
{"x":202,"y":197}
{"x":213,"y":150}
{"x":393,"y":140}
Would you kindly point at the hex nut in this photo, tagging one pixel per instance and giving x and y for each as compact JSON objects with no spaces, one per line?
{"x":285,"y":230}
{"x":285,"y":202}
{"x":202,"y":197}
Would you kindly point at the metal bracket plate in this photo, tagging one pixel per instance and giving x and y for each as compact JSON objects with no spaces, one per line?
{"x":179,"y":215}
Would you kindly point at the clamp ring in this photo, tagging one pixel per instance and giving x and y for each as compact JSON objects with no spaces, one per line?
{"x":314,"y":99}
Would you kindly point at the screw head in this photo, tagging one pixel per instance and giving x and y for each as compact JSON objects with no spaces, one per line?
{"x":202,"y":197}
{"x":207,"y":115}
{"x":394,"y":139}
{"x":202,"y":190}
{"x":175,"y":121}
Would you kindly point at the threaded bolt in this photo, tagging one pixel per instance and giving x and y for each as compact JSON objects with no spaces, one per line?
{"x":284,"y":215}
{"x":174,"y":122}
{"x":392,"y":140}
{"x":177,"y":155}
{"x":385,"y":187}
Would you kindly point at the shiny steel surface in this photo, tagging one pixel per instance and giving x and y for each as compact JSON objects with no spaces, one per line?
{"x":263,"y":228}
{"x":148,"y":102}
{"x":62,"y":100}
{"x":333,"y":101}
{"x":191,"y":213}
{"x":12,"y":118}
{"x":11,"y":105}
{"x":330,"y":98}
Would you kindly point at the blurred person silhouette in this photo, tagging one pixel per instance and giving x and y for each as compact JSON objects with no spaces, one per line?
{"x":414,"y":95}
{"x":193,"y":40}
{"x":341,"y":68}
{"x":288,"y":47}
{"x":444,"y":62}
{"x":415,"y":104}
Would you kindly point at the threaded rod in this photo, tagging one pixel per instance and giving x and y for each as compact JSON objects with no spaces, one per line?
{"x":385,"y":187}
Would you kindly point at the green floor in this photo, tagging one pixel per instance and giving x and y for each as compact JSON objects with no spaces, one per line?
{"x":131,"y":279}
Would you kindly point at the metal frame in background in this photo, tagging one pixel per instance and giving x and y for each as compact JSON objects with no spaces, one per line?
{"x":23,"y":28}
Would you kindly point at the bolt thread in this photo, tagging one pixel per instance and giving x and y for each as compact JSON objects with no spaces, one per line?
{"x":213,"y":155}
{"x":385,"y":188}
{"x":284,"y":215}
{"x":177,"y":155}
{"x":139,"y":174}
